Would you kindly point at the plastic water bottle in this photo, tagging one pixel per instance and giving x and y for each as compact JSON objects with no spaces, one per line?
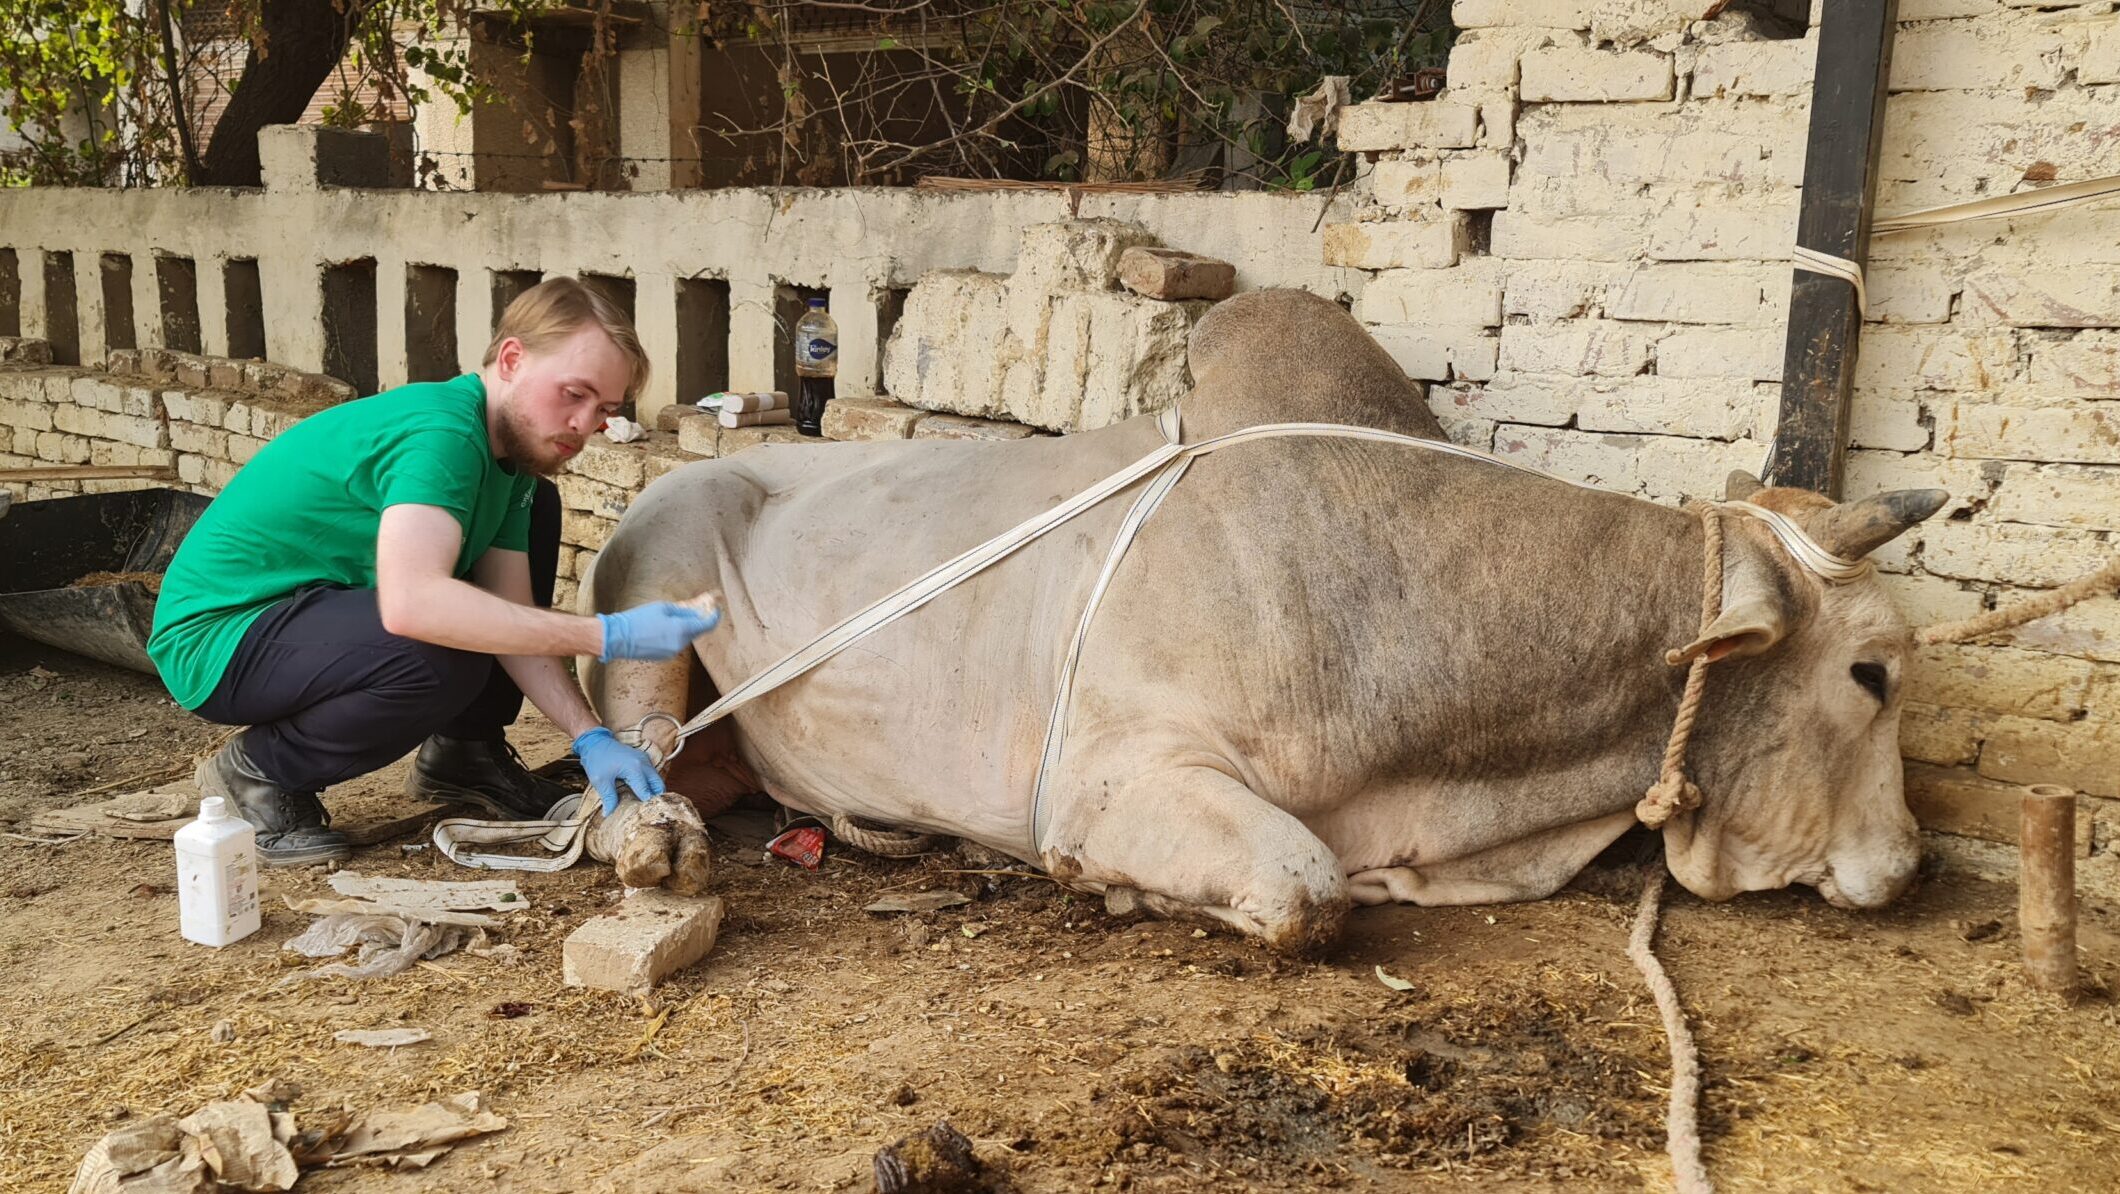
{"x":816,"y":365}
{"x":217,"y":876}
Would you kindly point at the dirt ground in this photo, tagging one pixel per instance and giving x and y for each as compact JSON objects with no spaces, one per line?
{"x":1891,"y":1051}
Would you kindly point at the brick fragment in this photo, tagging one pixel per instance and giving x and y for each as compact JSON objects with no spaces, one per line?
{"x":1171,"y":275}
{"x":669,"y":416}
{"x":875,"y":418}
{"x":652,"y":935}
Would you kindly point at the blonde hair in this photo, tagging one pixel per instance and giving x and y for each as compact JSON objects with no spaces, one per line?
{"x":555,"y":309}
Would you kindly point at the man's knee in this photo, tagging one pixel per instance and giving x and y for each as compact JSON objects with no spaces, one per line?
{"x":443,"y":677}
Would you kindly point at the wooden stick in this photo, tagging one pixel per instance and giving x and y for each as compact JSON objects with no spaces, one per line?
{"x":2046,"y":886}
{"x":1839,"y":183}
{"x":89,"y":472}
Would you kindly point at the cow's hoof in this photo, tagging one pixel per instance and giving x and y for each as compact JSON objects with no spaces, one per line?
{"x":666,"y":846}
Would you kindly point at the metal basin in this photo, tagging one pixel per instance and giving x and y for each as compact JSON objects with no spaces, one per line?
{"x":48,"y":547}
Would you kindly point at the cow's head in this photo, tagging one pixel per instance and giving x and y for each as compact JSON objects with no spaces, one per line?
{"x":1797,"y":748}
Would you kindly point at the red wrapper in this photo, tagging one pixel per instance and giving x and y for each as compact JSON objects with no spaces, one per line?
{"x":804,"y":847}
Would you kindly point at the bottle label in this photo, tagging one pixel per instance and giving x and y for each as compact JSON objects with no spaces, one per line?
{"x":242,"y":889}
{"x":819,"y":349}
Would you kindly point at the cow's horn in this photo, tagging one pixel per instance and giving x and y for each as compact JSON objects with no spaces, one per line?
{"x":1856,"y":529}
{"x":1741,"y":485}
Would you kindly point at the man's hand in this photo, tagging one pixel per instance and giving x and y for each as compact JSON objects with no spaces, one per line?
{"x":610,"y":762}
{"x":654,"y":632}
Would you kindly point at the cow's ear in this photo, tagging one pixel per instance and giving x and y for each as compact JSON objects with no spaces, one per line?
{"x":1742,"y":630}
{"x":1752,"y":618}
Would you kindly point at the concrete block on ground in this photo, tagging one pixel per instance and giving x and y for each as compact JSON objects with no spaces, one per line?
{"x":1170,"y":274}
{"x":651,"y":936}
{"x":870,"y":418}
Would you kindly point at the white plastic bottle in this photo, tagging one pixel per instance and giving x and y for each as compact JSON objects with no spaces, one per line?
{"x":217,"y":876}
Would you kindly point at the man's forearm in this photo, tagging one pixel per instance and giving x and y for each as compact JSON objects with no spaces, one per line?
{"x":544,"y":679}
{"x":455,"y":613}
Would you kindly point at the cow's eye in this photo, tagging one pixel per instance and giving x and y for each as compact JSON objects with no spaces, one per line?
{"x":1872,"y":677}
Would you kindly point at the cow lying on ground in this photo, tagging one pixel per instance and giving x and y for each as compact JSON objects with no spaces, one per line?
{"x":1330,"y":671}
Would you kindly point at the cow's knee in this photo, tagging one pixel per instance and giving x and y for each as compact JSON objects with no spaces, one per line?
{"x":1228,"y":856}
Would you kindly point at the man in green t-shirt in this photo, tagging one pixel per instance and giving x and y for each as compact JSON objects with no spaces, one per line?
{"x":371,"y":582}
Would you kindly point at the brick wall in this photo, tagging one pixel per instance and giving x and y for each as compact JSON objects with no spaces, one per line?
{"x":1583,"y":243}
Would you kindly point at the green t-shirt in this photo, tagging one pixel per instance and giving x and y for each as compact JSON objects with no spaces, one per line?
{"x":305,"y":510}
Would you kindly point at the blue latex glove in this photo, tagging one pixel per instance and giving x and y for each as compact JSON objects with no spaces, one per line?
{"x":655,"y":632}
{"x":610,"y":762}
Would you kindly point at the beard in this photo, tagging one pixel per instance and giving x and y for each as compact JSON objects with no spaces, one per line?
{"x":521,"y":447}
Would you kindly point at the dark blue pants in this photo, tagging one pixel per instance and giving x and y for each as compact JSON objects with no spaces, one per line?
{"x":329,"y":694}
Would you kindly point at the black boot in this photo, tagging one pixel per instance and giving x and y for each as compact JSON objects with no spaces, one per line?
{"x":293,"y":828}
{"x":488,"y":775}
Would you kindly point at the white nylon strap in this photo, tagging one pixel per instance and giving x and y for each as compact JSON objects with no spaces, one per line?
{"x":1995,"y":207}
{"x":1834,"y":267}
{"x":1805,"y":549}
{"x":562,"y":834}
{"x":1063,"y":701}
{"x":2067,"y":194}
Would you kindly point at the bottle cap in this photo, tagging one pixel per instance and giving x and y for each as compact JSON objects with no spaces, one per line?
{"x":213,"y":808}
{"x":816,"y":304}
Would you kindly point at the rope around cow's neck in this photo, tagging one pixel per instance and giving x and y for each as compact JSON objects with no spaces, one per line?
{"x":1674,"y":793}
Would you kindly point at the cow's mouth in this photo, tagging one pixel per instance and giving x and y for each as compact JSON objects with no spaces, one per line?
{"x":1864,"y":900}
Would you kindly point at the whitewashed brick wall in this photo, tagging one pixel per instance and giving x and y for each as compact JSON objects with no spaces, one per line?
{"x":1583,"y":244}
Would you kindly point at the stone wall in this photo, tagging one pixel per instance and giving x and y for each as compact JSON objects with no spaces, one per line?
{"x":1584,"y":241}
{"x":199,"y":416}
{"x":1057,"y":343}
{"x":329,"y":268}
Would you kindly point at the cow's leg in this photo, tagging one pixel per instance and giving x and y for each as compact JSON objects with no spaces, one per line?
{"x":1194,"y":841}
{"x":1530,"y":868}
{"x":663,"y":842}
